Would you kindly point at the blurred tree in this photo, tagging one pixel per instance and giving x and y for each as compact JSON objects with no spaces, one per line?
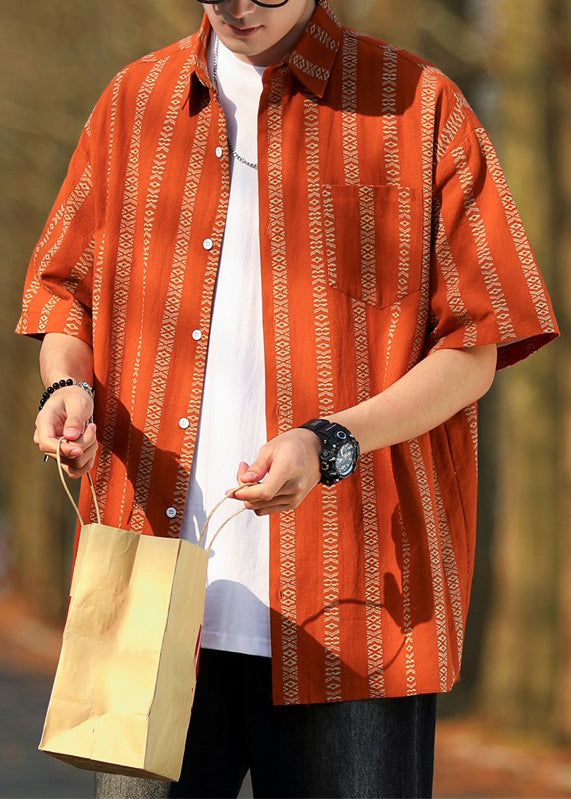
{"x":443,"y":31}
{"x":562,"y":129}
{"x":396,"y":21}
{"x":526,"y":669}
{"x":55,"y":60}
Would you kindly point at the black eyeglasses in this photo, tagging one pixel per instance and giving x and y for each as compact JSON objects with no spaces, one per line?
{"x":275,"y":4}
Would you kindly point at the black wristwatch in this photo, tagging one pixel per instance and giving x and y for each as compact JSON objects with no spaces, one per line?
{"x":339,"y":450}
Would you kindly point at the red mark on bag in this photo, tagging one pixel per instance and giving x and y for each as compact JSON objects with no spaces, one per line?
{"x":197,"y":651}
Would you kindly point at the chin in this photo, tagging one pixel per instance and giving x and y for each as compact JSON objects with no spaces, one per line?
{"x":246,"y":48}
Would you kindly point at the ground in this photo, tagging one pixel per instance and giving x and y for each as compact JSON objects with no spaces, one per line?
{"x":472,"y":760}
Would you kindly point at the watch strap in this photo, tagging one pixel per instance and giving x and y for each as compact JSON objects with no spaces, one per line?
{"x":332,"y":436}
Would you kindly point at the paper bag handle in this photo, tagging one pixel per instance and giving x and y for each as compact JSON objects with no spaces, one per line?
{"x":67,"y":491}
{"x":224,"y":523}
{"x":202,"y":532}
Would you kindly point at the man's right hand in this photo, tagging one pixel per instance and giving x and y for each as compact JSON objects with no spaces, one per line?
{"x":65,"y":414}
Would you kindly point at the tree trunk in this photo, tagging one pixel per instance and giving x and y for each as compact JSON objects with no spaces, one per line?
{"x":561,"y":11}
{"x":394,"y":21}
{"x":523,"y":648}
{"x":55,"y":58}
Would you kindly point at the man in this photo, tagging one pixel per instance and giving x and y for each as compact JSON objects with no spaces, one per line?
{"x":323,"y":216}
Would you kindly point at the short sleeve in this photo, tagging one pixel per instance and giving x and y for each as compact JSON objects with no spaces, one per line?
{"x":58,"y":287}
{"x":485,"y":286}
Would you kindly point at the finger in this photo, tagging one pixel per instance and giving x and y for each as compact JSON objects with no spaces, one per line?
{"x":259,"y":468}
{"x":51,"y":422}
{"x":288,"y":498}
{"x":77,"y":415}
{"x":258,"y":492}
{"x":275,"y":483}
{"x":68,"y":450}
{"x":280,"y":508}
{"x":88,"y":439}
{"x":83,"y":460}
{"x":75,"y":473}
{"x":243,"y":469}
{"x":75,"y":469}
{"x":91,"y":433}
{"x":84,"y":448}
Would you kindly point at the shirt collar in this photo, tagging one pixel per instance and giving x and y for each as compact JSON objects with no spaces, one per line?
{"x":198,"y":51}
{"x":312,"y":59}
{"x":316,"y":50}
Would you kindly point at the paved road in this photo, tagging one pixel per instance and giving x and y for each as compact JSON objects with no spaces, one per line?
{"x":25,"y":772}
{"x":471,"y":761}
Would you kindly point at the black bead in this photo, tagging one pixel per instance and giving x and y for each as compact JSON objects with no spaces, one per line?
{"x":45,"y":395}
{"x":61,"y":383}
{"x":50,"y":390}
{"x":69,"y":382}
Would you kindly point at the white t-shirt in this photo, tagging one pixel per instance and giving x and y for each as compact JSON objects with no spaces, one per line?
{"x":233,"y":421}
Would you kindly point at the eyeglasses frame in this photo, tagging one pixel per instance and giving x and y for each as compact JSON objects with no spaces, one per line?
{"x":256,"y":2}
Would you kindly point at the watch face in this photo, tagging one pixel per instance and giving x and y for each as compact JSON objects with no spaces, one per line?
{"x":345,"y":459}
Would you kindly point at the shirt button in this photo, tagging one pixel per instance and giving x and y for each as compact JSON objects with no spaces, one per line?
{"x":184,"y":423}
{"x":171,"y":512}
{"x":219,"y":152}
{"x":196,"y":335}
{"x":208,"y":244}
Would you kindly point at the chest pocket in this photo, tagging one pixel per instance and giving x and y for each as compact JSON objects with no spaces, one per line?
{"x":373,"y":241}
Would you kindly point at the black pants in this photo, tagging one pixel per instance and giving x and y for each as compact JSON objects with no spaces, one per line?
{"x":366,"y":748}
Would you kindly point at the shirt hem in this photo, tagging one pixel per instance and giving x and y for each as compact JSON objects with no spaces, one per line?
{"x":244,"y":646}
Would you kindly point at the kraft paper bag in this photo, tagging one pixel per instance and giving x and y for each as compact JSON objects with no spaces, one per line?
{"x":125,"y":681}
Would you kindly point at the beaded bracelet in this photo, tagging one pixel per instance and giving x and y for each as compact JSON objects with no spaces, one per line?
{"x":61,"y":384}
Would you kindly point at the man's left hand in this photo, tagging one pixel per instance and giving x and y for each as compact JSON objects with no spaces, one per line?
{"x":284,"y":472}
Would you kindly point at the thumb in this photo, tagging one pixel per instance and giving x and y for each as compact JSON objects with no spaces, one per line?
{"x":257,"y":470}
{"x":73,"y":428}
{"x":74,"y":424}
{"x":242,"y":470}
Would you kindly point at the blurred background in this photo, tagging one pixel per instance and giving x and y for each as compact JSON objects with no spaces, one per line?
{"x":512,"y":58}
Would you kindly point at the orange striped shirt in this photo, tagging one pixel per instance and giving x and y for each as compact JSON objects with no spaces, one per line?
{"x":387,"y":231}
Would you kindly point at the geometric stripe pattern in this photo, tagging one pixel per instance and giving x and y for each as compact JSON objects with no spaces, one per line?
{"x":283,"y":367}
{"x":433,"y":534}
{"x":326,"y":404}
{"x":529,"y":267}
{"x":372,"y":556}
{"x":410,"y":666}
{"x":451,"y":581}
